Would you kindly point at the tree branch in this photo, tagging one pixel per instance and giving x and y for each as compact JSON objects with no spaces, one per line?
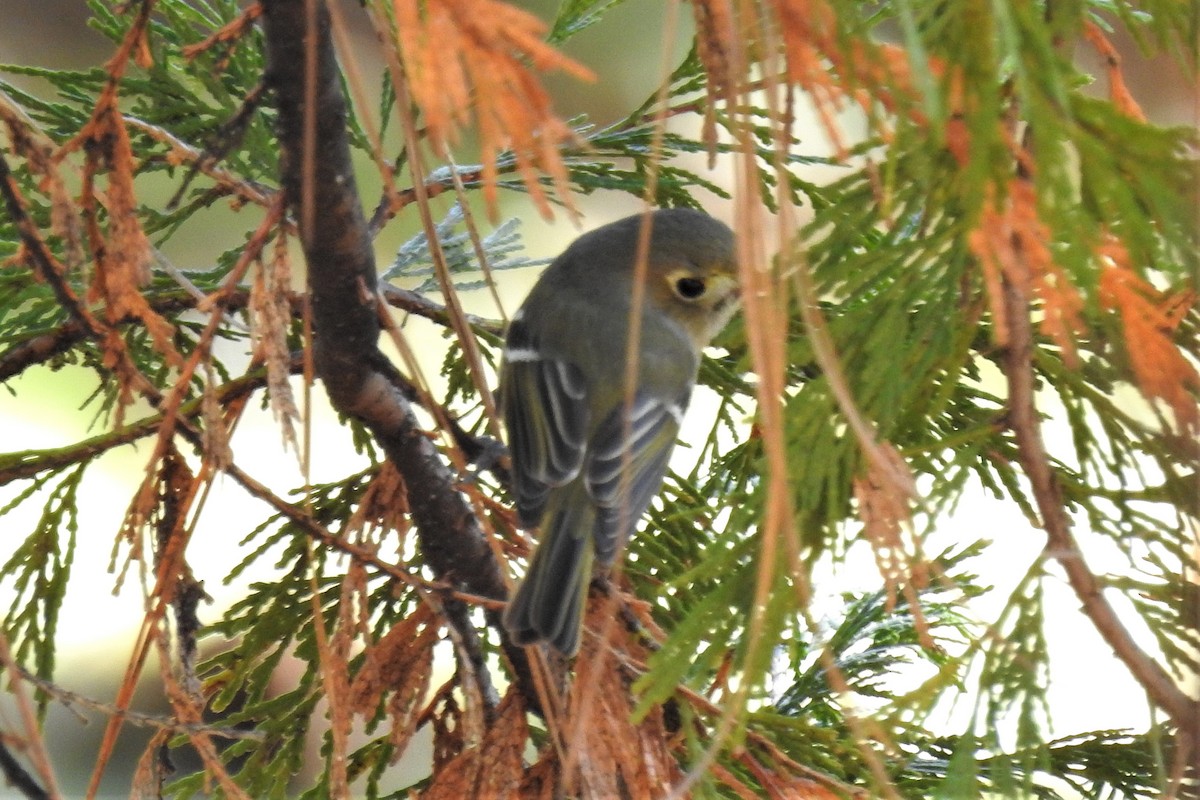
{"x":43,"y":347}
{"x":1060,"y":542}
{"x":319,"y":181}
{"x":26,"y":464}
{"x":18,"y":778}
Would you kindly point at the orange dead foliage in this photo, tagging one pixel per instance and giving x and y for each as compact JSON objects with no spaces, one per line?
{"x":604,"y":753}
{"x":1118,"y":91}
{"x":466,"y":59}
{"x":401,"y":663}
{"x":620,"y":753}
{"x":494,"y":768}
{"x":1149,"y":319}
{"x":120,"y":249}
{"x":883,"y":507}
{"x":1012,"y":241}
{"x":830,"y":69}
{"x":270,"y":321}
{"x":122,"y":253}
{"x":715,"y":46}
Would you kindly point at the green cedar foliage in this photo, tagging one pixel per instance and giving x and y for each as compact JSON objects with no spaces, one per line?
{"x":889,"y":248}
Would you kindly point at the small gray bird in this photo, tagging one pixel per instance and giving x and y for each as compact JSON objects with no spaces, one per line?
{"x":583,"y":468}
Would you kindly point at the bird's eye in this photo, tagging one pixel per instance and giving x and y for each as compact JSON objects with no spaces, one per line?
{"x":690,"y":288}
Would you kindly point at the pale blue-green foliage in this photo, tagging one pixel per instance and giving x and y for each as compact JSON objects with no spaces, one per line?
{"x":501,"y":248}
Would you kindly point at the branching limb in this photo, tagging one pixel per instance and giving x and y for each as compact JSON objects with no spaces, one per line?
{"x":43,"y":347}
{"x":32,"y":741}
{"x":204,"y":162}
{"x":319,"y":181}
{"x":1060,"y":542}
{"x":75,"y":701}
{"x":17,"y":466}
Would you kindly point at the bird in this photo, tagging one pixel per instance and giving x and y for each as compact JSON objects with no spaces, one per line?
{"x":586,"y":463}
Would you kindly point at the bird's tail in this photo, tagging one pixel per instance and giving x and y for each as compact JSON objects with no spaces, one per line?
{"x":548,"y":605}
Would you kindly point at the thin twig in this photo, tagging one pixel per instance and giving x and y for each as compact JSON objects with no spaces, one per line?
{"x":35,"y":744}
{"x":17,"y":466}
{"x":45,"y":346}
{"x":73,"y":701}
{"x":201,"y":162}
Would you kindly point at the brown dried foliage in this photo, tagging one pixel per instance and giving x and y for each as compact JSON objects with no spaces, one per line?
{"x":215,"y":433}
{"x":465,"y":63}
{"x":495,"y":767}
{"x":120,"y":250}
{"x":715,"y":43}
{"x":1013,"y":243}
{"x":399,"y":665}
{"x":446,"y":718}
{"x":270,"y":322}
{"x":40,"y":158}
{"x":1149,"y":319}
{"x":883,"y":507}
{"x":780,"y":784}
{"x":614,"y":756}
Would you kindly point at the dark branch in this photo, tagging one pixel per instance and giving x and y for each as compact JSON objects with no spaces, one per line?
{"x":18,"y":778}
{"x":319,"y":181}
{"x":226,"y":138}
{"x":46,"y":346}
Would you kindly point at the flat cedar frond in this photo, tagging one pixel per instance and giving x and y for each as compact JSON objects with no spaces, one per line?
{"x":215,"y":433}
{"x":610,"y":750}
{"x":496,"y":767}
{"x":38,"y":151}
{"x":122,"y":254}
{"x":714,"y":43}
{"x":884,"y":511}
{"x":188,"y":710}
{"x":401,"y":664}
{"x":385,"y":503}
{"x":1149,"y":319}
{"x":1014,"y":242}
{"x":883,"y":507}
{"x":465,"y":59}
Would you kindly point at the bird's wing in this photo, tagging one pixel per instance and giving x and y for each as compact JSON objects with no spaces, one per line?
{"x":543,"y":400}
{"x":627,"y":461}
